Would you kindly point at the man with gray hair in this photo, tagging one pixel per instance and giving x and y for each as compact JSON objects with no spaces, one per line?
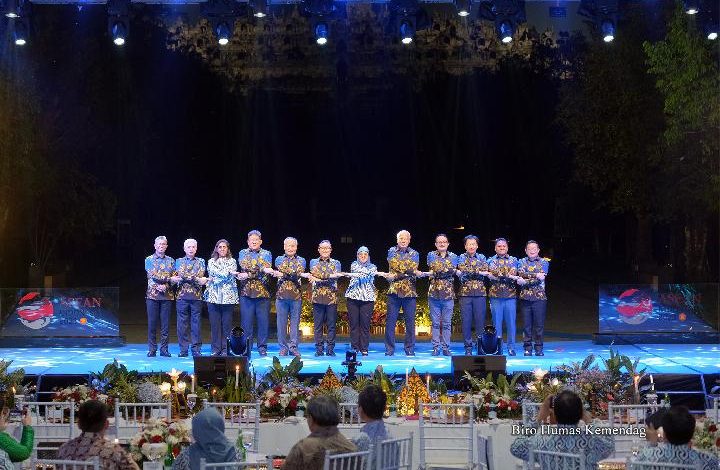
{"x":322,"y":418}
{"x":289,"y":269}
{"x":189,"y":278}
{"x":159,"y":296}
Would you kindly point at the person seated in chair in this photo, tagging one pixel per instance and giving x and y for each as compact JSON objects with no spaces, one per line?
{"x":678,"y":427}
{"x":653,"y":427}
{"x":371,"y":407}
{"x":14,"y":450}
{"x":564,"y":411}
{"x":209,"y":442}
{"x":93,"y":421}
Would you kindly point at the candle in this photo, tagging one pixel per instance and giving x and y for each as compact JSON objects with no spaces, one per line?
{"x":237,"y":376}
{"x":116,"y":441}
{"x":428,"y":384}
{"x":651,"y":379}
{"x":407,"y":372}
{"x":192,"y":383}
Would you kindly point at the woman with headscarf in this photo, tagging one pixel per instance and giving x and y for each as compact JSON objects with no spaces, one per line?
{"x":210,"y":443}
{"x":360,"y":296}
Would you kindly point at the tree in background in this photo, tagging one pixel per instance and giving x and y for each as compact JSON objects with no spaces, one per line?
{"x":685,"y":67}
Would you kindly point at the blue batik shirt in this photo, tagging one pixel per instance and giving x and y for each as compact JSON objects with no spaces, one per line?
{"x":472,"y":283}
{"x":403,"y":263}
{"x":289,"y":285}
{"x":324,"y":291}
{"x":502,"y":267}
{"x":159,"y":270}
{"x":257,"y":285}
{"x":190,"y":270}
{"x":665,"y":452}
{"x":443,"y":269}
{"x":534,"y":289}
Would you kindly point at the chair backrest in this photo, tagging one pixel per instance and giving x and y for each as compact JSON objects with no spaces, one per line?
{"x":349,"y":414}
{"x":52,"y":464}
{"x":53,"y":422}
{"x":259,"y":465}
{"x":530,"y":411}
{"x":484,"y":452}
{"x":347,"y":461}
{"x":632,"y":464}
{"x":550,"y":460}
{"x":623,"y":416}
{"x":239,"y":417}
{"x":131,"y":417}
{"x":715,"y":416}
{"x":394,"y":454}
{"x":446,"y":433}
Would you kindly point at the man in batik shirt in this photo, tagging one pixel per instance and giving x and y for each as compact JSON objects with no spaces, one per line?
{"x":502,"y":274}
{"x":159,"y":296}
{"x":472,"y":268}
{"x":324,"y":272}
{"x":441,"y":295}
{"x":403,"y":262}
{"x":189,"y":279}
{"x":533,"y":301}
{"x":289,"y":269}
{"x":254,"y":266}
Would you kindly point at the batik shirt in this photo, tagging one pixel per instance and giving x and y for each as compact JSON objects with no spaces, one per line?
{"x":324,"y":291}
{"x":502,"y":266}
{"x":534,"y":288}
{"x":159,"y":269}
{"x":257,"y":285}
{"x":363,"y":287}
{"x":471,"y":282}
{"x":665,"y":452}
{"x":572,"y":440}
{"x":88,"y":444}
{"x":222,"y":286}
{"x":189,"y":269}
{"x":443,"y":269}
{"x":403,"y":263}
{"x":289,"y":285}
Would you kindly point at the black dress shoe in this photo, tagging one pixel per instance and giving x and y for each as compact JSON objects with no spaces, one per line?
{"x":319,"y":353}
{"x":468,"y":352}
{"x":264,"y":353}
{"x":388,"y":353}
{"x":409,"y":353}
{"x":539,"y":353}
{"x":435,"y":352}
{"x":166,"y":354}
{"x":364,"y":353}
{"x":330,"y":352}
{"x":151,"y":354}
{"x":511,"y":352}
{"x":528,"y":352}
{"x":183,"y":354}
{"x":197,"y":354}
{"x":446,"y":352}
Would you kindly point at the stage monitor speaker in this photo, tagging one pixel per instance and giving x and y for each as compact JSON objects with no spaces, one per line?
{"x":214,"y":369}
{"x":478,"y":366}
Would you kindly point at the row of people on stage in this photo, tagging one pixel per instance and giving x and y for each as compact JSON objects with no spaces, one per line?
{"x":188,"y":280}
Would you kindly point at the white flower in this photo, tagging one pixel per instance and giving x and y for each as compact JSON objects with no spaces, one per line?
{"x":539,"y":373}
{"x":554,"y":382}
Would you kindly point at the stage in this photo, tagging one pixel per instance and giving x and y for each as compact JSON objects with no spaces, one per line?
{"x":657,"y":358}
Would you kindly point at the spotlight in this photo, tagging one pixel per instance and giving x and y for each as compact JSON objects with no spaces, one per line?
{"x":608,"y":30}
{"x":20,"y":32}
{"x":488,"y":343}
{"x":711,"y":30}
{"x":118,"y":31}
{"x":237,"y":343}
{"x":505,"y":31}
{"x":691,"y":7}
{"x":463,"y":7}
{"x":321,"y":33}
{"x":261,"y":7}
{"x":223,"y":33}
{"x":352,"y":364}
{"x":406,"y":32}
{"x":12,"y":9}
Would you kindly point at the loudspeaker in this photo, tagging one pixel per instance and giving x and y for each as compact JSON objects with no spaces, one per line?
{"x":214,"y":369}
{"x":478,"y":366}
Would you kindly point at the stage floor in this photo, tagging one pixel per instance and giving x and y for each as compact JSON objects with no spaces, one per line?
{"x":658,"y":358}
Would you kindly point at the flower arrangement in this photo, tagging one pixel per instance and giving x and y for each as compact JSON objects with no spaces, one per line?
{"x":541,"y":386}
{"x":499,"y":395}
{"x":158,"y":431}
{"x":117,"y":381}
{"x":595,"y":386}
{"x":80,"y":394}
{"x":413,"y":393}
{"x":330,"y":382}
{"x":283,"y":399}
{"x":10,"y":381}
{"x":707,"y":437}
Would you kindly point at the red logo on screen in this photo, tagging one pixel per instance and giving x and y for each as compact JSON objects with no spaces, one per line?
{"x":635,"y":306}
{"x":34,"y":310}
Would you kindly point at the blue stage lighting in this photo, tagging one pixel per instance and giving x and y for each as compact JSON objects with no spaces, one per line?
{"x":711,"y":31}
{"x":463,"y":7}
{"x":118,"y":31}
{"x":691,"y":7}
{"x":321,"y":33}
{"x":407,"y":32}
{"x":223,"y":33}
{"x":505,"y":31}
{"x":261,"y":8}
{"x":12,"y":9}
{"x":237,"y":342}
{"x":20,"y":33}
{"x":608,"y":30}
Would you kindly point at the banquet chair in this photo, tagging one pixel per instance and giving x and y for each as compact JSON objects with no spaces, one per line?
{"x":347,"y":461}
{"x":238,"y":418}
{"x":714,"y":405}
{"x":484,"y":452}
{"x":550,"y":460}
{"x":131,"y":417}
{"x":394,"y":454}
{"x":446,"y":435}
{"x":530,"y":411}
{"x":633,"y":416}
{"x":50,"y":464}
{"x":349,"y":414}
{"x":259,"y":465}
{"x":632,"y":464}
{"x":53,"y":422}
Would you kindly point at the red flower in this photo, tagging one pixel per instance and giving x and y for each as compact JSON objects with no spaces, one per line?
{"x":141,"y":442}
{"x":156,"y":439}
{"x":277,"y":389}
{"x":176,"y":450}
{"x":514,"y":405}
{"x":717,"y":442}
{"x":293,"y":404}
{"x":712,"y":428}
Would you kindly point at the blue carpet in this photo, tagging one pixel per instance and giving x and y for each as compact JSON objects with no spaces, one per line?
{"x":658,"y":358}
